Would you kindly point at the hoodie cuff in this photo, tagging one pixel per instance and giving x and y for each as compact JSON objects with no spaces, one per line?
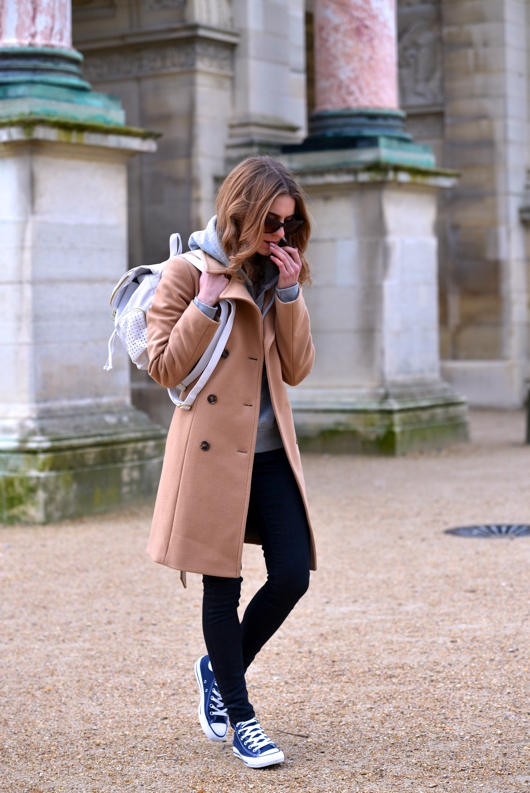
{"x":210,"y":311}
{"x":288,"y":294}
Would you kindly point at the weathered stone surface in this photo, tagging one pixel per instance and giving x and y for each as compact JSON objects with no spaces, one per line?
{"x":177,"y":80}
{"x":70,"y":442}
{"x":484,"y":267}
{"x":420,"y":53}
{"x":482,"y":110}
{"x":55,"y":471}
{"x":375,"y":386}
{"x":387,"y":427}
{"x":269,"y":104}
{"x":463,"y":81}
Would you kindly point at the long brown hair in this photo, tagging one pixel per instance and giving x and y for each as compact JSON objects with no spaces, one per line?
{"x":243,"y":202}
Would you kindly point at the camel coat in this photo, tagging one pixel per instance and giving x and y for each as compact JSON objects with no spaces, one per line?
{"x":201,"y":508}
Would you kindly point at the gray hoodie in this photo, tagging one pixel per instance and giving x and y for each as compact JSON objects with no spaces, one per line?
{"x":268,"y":437}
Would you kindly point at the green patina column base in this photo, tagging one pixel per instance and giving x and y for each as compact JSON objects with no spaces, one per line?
{"x":45,"y":479}
{"x":47,"y":82}
{"x":386,"y":428}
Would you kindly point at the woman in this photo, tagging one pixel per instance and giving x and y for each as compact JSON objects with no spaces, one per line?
{"x":232,"y":467}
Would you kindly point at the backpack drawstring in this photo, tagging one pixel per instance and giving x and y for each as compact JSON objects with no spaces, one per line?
{"x":112,"y":345}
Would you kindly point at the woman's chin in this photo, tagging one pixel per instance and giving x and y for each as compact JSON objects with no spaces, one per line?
{"x":264,"y":249}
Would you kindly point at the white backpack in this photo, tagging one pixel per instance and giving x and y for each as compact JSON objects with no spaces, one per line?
{"x":130,"y":299}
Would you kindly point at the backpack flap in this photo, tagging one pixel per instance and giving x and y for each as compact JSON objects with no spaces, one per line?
{"x":130,"y":300}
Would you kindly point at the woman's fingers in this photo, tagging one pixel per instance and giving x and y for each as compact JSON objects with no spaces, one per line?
{"x":293,"y":252}
{"x":289,"y":256}
{"x":288,"y":261}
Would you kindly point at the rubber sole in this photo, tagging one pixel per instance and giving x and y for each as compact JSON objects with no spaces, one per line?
{"x":207,"y":730}
{"x":260,"y":762}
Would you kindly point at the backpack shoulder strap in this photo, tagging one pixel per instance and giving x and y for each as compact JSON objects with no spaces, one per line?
{"x":196,"y":258}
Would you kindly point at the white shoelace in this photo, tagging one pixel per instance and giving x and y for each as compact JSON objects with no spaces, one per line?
{"x":217,"y":706}
{"x":252,"y":735}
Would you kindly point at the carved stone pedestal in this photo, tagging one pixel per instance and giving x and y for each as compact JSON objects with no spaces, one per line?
{"x":376,"y":385}
{"x":70,"y":441}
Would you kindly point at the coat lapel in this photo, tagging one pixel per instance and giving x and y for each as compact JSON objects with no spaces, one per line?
{"x":236,"y":290}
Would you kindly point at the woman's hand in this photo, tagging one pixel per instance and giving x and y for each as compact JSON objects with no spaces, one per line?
{"x":211,"y":285}
{"x":288,"y":261}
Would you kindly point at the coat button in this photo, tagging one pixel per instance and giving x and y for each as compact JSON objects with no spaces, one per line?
{"x":225,"y":353}
{"x":205,"y":446}
{"x":212,"y":399}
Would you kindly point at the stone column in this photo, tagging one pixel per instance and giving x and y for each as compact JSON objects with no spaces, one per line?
{"x":355,"y":55}
{"x":70,"y":442}
{"x":376,"y":384}
{"x":356,"y":83}
{"x":36,"y":23}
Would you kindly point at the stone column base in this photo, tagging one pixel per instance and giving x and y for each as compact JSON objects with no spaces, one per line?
{"x":392,"y":423}
{"x":77,"y":465}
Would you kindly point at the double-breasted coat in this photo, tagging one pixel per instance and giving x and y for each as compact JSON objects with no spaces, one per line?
{"x":201,"y":507}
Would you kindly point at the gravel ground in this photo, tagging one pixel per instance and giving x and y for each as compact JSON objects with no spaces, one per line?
{"x":405,"y":668}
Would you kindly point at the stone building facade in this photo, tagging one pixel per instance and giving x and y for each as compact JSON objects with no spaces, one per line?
{"x":464,"y":84}
{"x":221,"y":79}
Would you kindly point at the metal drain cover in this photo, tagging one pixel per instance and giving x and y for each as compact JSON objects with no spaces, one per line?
{"x":492,"y":530}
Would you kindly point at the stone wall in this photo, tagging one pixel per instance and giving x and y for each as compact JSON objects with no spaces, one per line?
{"x":221,"y":80}
{"x":172,"y":76}
{"x":463,"y":82}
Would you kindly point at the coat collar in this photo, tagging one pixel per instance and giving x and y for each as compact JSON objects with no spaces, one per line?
{"x":236,"y":290}
{"x":212,"y":265}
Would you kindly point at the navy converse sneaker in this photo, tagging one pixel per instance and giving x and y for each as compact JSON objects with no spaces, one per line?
{"x":253,"y":747}
{"x":212,"y":712}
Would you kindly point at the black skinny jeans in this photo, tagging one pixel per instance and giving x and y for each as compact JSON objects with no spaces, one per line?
{"x":277,"y":510}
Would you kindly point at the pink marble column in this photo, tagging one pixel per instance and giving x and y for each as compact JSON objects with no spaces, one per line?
{"x":355,"y":55}
{"x":36,"y":23}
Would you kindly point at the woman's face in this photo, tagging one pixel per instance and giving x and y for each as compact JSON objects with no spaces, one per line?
{"x":282,"y":208}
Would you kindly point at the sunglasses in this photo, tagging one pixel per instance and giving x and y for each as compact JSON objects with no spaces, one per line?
{"x":289,"y":226}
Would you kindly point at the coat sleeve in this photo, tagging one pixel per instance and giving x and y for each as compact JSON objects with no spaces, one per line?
{"x":293,"y":339}
{"x":178,"y":332}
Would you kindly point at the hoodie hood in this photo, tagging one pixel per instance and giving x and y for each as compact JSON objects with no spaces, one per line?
{"x":208,"y":241}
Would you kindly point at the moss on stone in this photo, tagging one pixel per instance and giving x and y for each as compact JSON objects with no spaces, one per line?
{"x":28,"y":121}
{"x":40,"y":487}
{"x":387,"y":432}
{"x":416,"y":172}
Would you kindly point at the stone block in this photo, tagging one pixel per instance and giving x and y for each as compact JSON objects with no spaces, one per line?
{"x":375,"y":386}
{"x":346,"y":357}
{"x":474,"y":107}
{"x":344,"y":309}
{"x":488,"y":384}
{"x":516,"y":60}
{"x":476,"y":178}
{"x":481,"y":60}
{"x":482,"y":154}
{"x":481,"y":211}
{"x":70,"y":442}
{"x":473,"y":12}
{"x":70,"y":477}
{"x":460,"y":86}
{"x":468,"y":36}
{"x":387,"y":426}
